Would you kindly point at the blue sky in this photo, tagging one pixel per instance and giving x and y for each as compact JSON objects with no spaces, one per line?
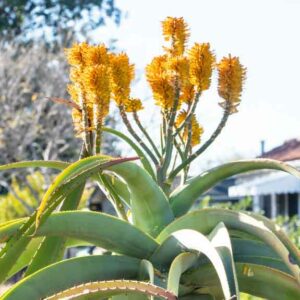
{"x":264,"y":34}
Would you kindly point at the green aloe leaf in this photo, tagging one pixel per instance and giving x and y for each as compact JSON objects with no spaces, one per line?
{"x":253,"y":279}
{"x":150,"y":208}
{"x":68,"y":180}
{"x":97,"y":228}
{"x":166,"y":252}
{"x":195,"y":241}
{"x":294,"y":255}
{"x":180,"y":264}
{"x":25,"y":258}
{"x":59,"y":165}
{"x":53,"y":164}
{"x":68,"y":273}
{"x":15,"y":246}
{"x":145,"y":162}
{"x":250,"y":251}
{"x":75,"y":174}
{"x":220,"y":239}
{"x":197,"y":297}
{"x":205,"y":220}
{"x":120,"y":187}
{"x":146,"y":271}
{"x":7,"y":229}
{"x":118,"y":289}
{"x":183,"y":198}
{"x":52,"y":249}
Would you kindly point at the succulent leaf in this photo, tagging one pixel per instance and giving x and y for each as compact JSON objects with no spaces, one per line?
{"x":183,"y":198}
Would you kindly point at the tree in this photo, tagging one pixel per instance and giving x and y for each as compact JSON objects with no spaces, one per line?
{"x":30,"y":72}
{"x":32,"y":126}
{"x":53,"y":20}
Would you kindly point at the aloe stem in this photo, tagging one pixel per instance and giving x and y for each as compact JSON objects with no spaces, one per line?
{"x":144,"y":131}
{"x":191,"y":111}
{"x":86,"y":136}
{"x":137,"y":138}
{"x":169,"y":138}
{"x":98,"y":137}
{"x":98,"y":127}
{"x":204,"y":146}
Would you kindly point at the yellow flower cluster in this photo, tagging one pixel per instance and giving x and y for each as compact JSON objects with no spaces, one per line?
{"x":176,"y":77}
{"x":196,"y":128}
{"x":231,"y":77}
{"x":201,"y":65}
{"x":122,"y":73}
{"x":176,"y":31}
{"x":97,"y":75}
{"x":133,"y":105}
{"x":76,"y":55}
{"x":160,"y":81}
{"x":175,"y":73}
{"x":187,"y":93}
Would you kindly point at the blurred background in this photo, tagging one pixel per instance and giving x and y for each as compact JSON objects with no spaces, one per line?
{"x":264,"y":34}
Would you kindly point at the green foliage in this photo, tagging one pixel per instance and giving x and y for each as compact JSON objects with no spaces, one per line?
{"x":212,"y":253}
{"x":290,"y":225}
{"x":23,"y":198}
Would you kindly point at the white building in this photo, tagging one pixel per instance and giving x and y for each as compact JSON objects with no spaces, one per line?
{"x":274,"y":192}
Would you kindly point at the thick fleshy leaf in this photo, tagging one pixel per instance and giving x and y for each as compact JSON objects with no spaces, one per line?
{"x":145,"y":162}
{"x":120,"y":187}
{"x":250,"y":251}
{"x":294,"y":255}
{"x":253,"y":279}
{"x":68,"y":180}
{"x":125,"y":289}
{"x":205,"y":220}
{"x":149,"y":205}
{"x":183,"y":198}
{"x":25,"y":258}
{"x":146,"y":271}
{"x":100,"y":229}
{"x":180,"y":264}
{"x":7,"y":229}
{"x":195,"y":241}
{"x":197,"y":297}
{"x":52,"y":249}
{"x":52,"y":164}
{"x":68,"y":273}
{"x":15,"y":246}
{"x":220,"y":239}
{"x":59,"y":165}
{"x":73,"y":176}
{"x":166,"y":252}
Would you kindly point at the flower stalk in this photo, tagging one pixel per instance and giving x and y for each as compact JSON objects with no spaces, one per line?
{"x":136,"y":136}
{"x":192,"y":157}
{"x":177,"y":78}
{"x":144,"y":131}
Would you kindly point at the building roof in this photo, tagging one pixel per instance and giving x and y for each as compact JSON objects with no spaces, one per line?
{"x":288,"y":151}
{"x":275,"y":182}
{"x":265,"y":182}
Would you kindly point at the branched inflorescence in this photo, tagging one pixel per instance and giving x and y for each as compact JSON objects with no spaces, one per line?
{"x":177,"y":77}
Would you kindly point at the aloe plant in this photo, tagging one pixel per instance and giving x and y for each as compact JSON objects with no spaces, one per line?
{"x":157,"y":246}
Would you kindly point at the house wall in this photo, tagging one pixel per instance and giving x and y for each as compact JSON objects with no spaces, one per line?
{"x":274,"y":205}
